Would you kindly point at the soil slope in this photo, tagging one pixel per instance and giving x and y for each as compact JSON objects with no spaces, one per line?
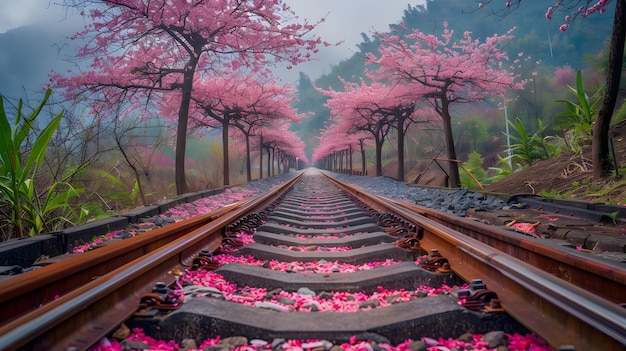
{"x":570,"y":176}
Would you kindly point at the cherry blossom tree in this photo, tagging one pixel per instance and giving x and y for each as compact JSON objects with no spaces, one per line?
{"x":442,"y":72}
{"x":574,"y":9}
{"x":142,"y":47}
{"x":332,"y":140}
{"x":242,"y":101}
{"x":375,"y":108}
{"x":277,"y":138}
{"x":265,"y":103}
{"x":216,"y":106}
{"x":338,"y":137}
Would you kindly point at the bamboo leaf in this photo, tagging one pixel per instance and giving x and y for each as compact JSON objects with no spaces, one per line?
{"x":22,"y":133}
{"x":7,"y":148}
{"x":40,"y":146}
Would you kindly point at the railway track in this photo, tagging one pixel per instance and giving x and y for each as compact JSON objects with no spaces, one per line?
{"x":303,"y":226}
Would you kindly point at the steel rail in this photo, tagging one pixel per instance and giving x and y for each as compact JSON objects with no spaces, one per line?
{"x":31,"y":290}
{"x":84,"y":315}
{"x":601,"y":278}
{"x":558,"y":311}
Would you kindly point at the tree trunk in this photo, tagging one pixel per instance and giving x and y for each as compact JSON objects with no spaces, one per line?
{"x":453,"y":169}
{"x":248,"y":170}
{"x":181,"y":129}
{"x":351,"y":170}
{"x":261,"y":158}
{"x":269,"y":162}
{"x":401,"y":120}
{"x":225,"y":150}
{"x":341,"y":164}
{"x":379,"y":157}
{"x":363,"y":161}
{"x":273,"y":162}
{"x":600,"y":146}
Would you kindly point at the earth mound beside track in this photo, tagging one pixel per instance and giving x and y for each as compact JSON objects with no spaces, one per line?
{"x":570,"y":176}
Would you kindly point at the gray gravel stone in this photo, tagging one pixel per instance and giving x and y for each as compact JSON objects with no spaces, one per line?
{"x":452,"y":201}
{"x":306,"y":292}
{"x":496,"y":339}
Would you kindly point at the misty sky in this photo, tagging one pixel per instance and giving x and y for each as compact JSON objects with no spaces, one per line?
{"x":28,"y":54}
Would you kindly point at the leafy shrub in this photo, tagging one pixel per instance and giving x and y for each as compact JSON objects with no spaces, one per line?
{"x":507,"y":168}
{"x":576,"y":123}
{"x":29,"y":210}
{"x":474,"y":166}
{"x":526,"y":148}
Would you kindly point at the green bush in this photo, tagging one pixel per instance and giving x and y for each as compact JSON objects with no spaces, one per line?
{"x":576,"y":123}
{"x":30,"y":211}
{"x":526,"y":148}
{"x":507,"y":168}
{"x":474,"y":165}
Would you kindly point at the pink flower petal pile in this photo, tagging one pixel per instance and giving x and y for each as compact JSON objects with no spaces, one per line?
{"x":303,"y":267}
{"x":323,"y":236}
{"x":99,"y":241}
{"x":315,"y":248}
{"x":516,"y":343}
{"x":340,"y":301}
{"x":208,"y":204}
{"x":183,"y":211}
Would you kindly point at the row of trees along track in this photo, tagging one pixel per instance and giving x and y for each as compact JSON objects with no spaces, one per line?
{"x":301,"y":225}
{"x":243,"y":39}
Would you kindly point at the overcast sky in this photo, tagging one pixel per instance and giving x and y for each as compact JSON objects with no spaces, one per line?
{"x":345,"y":21}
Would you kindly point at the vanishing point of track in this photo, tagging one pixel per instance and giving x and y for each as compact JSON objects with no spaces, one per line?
{"x":562,"y":298}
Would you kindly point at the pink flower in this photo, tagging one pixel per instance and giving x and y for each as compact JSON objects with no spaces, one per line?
{"x":549,"y":13}
{"x":563,"y":27}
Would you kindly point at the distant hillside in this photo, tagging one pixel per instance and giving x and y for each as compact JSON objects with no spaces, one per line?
{"x":29,"y":54}
{"x":534,"y":36}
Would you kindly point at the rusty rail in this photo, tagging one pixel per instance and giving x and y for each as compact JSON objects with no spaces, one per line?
{"x":87,"y":313}
{"x":601,"y":278}
{"x":559,"y":311}
{"x":31,"y":290}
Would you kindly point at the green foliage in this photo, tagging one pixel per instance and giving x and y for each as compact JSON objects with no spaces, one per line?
{"x":30,"y":212}
{"x":97,"y":211}
{"x":125,"y":195}
{"x":473,"y":134}
{"x":526,"y":148}
{"x":620,"y":116}
{"x":550,"y":194}
{"x":612,"y":216}
{"x":473,"y":165}
{"x":577,"y":121}
{"x":506,"y":169}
